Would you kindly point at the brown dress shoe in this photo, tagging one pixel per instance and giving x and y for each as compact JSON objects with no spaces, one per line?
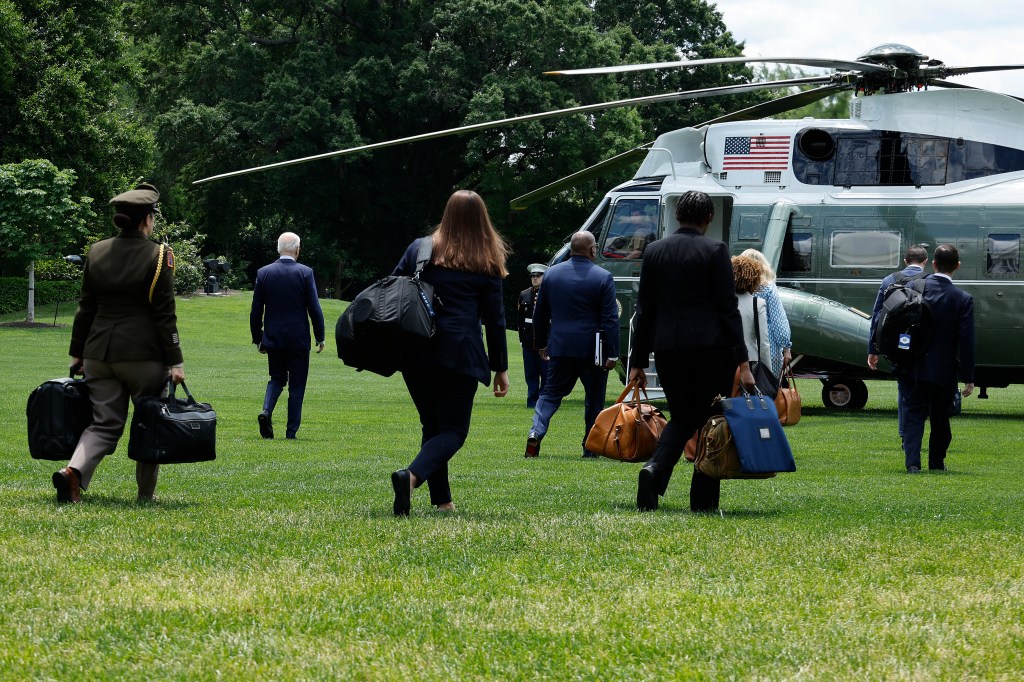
{"x":68,"y":485}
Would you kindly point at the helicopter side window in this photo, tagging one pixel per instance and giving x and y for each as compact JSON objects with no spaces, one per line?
{"x":865,"y":249}
{"x":1003,"y":254}
{"x":796,"y":252}
{"x":633,"y":226}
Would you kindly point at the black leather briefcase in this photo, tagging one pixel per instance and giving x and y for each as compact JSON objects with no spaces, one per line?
{"x":58,"y":411}
{"x":170,"y":430}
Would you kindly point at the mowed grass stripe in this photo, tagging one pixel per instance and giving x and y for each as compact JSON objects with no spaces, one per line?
{"x":281,"y":559}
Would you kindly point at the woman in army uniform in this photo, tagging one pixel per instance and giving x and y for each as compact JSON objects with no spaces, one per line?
{"x":124,"y":338}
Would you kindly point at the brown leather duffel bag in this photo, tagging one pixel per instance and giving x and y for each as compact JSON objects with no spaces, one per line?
{"x":627,"y":431}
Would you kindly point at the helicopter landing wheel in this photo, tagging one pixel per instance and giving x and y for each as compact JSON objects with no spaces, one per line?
{"x":844,"y":394}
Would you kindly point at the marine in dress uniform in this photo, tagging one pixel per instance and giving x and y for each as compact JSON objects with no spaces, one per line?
{"x":534,"y":366}
{"x":124,"y":338}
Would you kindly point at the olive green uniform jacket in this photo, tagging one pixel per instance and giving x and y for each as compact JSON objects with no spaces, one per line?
{"x":116,"y":319}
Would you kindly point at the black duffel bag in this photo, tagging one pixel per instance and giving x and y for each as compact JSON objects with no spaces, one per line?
{"x":58,"y":411}
{"x":169,"y":430}
{"x":389,"y":321}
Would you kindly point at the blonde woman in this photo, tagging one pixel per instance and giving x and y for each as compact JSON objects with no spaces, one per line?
{"x":466,"y":268}
{"x":779,"y":338}
{"x":747,"y":273}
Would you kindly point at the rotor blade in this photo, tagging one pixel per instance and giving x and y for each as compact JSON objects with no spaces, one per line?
{"x":842,"y":65}
{"x":780,"y":105}
{"x":635,"y":101}
{"x":961,"y":86}
{"x":961,"y":70}
{"x":951,"y":84}
{"x":775,"y":106}
{"x":562,"y":184}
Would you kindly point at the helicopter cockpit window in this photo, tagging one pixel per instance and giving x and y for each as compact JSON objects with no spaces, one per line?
{"x":796,"y":252}
{"x":1003,"y":254}
{"x":865,"y":249}
{"x":633,"y":226}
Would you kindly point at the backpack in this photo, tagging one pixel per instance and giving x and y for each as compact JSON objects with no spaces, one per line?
{"x":389,"y":321}
{"x":904,"y":321}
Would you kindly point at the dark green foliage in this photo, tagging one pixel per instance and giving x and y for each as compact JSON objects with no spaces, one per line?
{"x":231,"y":87}
{"x":68,"y":92}
{"x":14,"y":291}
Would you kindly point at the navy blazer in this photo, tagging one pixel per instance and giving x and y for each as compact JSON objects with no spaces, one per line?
{"x":950,"y":351}
{"x":909,"y":271}
{"x":466,"y":299}
{"x":284,"y":295}
{"x":686,"y":299}
{"x":576,"y":300}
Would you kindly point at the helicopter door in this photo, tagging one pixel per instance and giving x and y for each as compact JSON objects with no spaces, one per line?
{"x":719,"y":227}
{"x":774,"y":237}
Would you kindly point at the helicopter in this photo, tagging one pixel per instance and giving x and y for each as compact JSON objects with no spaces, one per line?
{"x":832,"y":203}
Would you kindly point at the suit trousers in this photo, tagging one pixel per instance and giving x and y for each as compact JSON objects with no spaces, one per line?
{"x":110,"y":386}
{"x":921,"y":400}
{"x":536,"y":371}
{"x":563,"y":373}
{"x":444,"y":400}
{"x":691,"y":379}
{"x":288,"y":367}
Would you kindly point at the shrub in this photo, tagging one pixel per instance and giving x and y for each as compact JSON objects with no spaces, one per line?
{"x":14,"y":293}
{"x":52,"y":269}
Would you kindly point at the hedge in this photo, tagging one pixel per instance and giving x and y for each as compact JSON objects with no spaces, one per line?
{"x":14,"y":293}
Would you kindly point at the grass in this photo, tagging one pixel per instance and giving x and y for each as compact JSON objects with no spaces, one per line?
{"x":281,"y":560}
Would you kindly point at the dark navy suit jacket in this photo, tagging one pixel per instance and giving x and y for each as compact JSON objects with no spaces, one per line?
{"x":284,"y":295}
{"x":466,"y":299}
{"x":575,"y":301}
{"x":687,"y":299}
{"x":909,"y":271}
{"x":950,"y":352}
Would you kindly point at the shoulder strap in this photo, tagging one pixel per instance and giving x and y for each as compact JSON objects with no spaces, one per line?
{"x":423,"y":255}
{"x":159,"y":267}
{"x":757,"y":328}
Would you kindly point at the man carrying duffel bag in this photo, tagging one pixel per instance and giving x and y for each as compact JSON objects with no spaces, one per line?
{"x":124,"y":338}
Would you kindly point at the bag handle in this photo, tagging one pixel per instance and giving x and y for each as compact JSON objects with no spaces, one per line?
{"x":170,"y":391}
{"x":634,"y":388}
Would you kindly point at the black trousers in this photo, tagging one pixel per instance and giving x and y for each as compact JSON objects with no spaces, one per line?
{"x":920,"y":401}
{"x":444,"y":400}
{"x":691,"y":380}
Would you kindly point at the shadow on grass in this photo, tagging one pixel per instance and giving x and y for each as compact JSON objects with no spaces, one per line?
{"x":683,"y":509}
{"x":122,"y":503}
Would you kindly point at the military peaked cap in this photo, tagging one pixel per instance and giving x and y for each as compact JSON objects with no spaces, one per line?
{"x":535,"y":268}
{"x":144,"y":195}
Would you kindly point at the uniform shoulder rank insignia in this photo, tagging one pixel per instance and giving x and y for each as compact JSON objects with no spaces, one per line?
{"x":170,"y":258}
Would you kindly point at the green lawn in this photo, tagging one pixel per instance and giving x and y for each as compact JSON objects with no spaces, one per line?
{"x":281,"y":560}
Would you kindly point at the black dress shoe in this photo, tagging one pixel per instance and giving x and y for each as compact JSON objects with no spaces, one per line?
{"x":532,"y":446}
{"x":69,"y":486}
{"x":401,"y":481}
{"x":913,"y":470}
{"x":646,"y":492}
{"x":587,"y":454}
{"x":266,"y":426}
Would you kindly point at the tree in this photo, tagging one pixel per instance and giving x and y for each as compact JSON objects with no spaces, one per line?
{"x":38,"y":215}
{"x":236,"y":84}
{"x":68,"y":80}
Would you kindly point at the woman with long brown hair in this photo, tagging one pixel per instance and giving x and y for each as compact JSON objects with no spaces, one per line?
{"x":466,"y":267}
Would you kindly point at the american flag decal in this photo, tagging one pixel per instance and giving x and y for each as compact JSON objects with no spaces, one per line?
{"x":761,"y":152}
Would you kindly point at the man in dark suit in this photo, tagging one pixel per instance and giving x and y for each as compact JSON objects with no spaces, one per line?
{"x":282,"y":300}
{"x":686,"y":312}
{"x":927,"y":384}
{"x":915,"y":259}
{"x":576,"y":327}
